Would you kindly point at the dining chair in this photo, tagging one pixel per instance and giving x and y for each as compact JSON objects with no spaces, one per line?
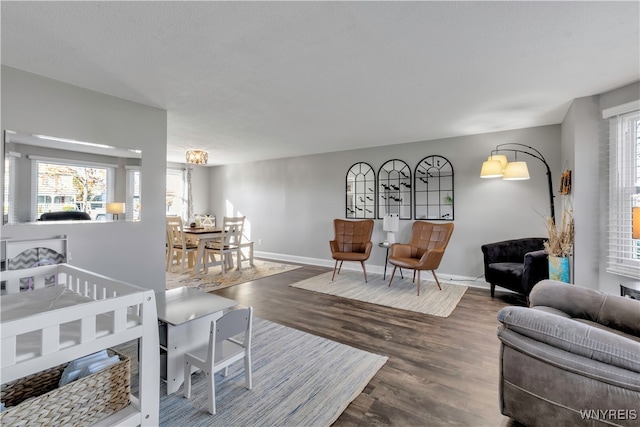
{"x":424,"y":251}
{"x":207,"y":221}
{"x":221,"y":351}
{"x":229,"y":243}
{"x":352,"y":242}
{"x":178,"y":248}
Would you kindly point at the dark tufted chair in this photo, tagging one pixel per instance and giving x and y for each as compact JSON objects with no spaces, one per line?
{"x":516,"y":264}
{"x":64,"y":216}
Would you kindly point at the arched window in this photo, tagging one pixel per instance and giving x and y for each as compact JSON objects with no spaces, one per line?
{"x":360,"y":191}
{"x":433,"y":189}
{"x":394,"y":189}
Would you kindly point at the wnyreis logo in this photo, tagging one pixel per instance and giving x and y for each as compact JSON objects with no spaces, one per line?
{"x":609,"y":414}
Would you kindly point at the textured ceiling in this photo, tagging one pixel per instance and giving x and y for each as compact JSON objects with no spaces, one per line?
{"x":258,"y":80}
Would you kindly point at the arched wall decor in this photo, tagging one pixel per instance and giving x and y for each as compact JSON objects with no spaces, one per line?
{"x":433,"y":189}
{"x":360,"y":191}
{"x":394,"y":189}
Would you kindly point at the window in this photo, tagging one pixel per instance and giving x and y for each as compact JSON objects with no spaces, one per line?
{"x":72,"y":187}
{"x":624,"y":188}
{"x":176,"y":201}
{"x":132,"y":203}
{"x":9,"y":206}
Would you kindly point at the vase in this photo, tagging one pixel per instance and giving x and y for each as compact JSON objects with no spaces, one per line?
{"x":559,"y":268}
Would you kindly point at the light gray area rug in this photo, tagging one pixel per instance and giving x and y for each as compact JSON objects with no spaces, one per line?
{"x":402,"y":293}
{"x":299,"y":379}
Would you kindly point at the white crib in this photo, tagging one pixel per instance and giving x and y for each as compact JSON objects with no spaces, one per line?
{"x":84,"y":313}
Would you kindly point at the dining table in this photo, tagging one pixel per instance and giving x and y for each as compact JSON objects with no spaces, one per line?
{"x":202,"y":235}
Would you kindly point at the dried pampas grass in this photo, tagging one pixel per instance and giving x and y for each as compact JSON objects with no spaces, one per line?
{"x":560,"y":241}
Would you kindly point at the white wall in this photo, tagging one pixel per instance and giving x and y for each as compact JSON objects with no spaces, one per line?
{"x":200,"y":189}
{"x":129,"y":251}
{"x":291,"y":203}
{"x":580,"y":154}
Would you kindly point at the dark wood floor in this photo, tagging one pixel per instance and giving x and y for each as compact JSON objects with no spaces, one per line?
{"x":440,"y":372}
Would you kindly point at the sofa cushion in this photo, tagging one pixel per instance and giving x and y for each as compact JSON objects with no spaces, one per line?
{"x":574,"y":337}
{"x":566,"y":362}
{"x":505,"y":272}
{"x":613,"y":311}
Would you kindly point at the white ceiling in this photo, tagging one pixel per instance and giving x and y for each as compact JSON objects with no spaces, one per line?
{"x":258,"y":80}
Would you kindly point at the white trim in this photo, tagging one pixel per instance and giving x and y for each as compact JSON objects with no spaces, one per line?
{"x":71,"y":162}
{"x":621,"y":109}
{"x":372,"y":268}
{"x":14,"y":154}
{"x":70,"y":144}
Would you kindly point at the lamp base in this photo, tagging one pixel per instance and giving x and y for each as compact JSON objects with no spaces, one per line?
{"x":390,"y":238}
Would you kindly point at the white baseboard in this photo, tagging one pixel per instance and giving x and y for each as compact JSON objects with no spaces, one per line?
{"x":372,"y":268}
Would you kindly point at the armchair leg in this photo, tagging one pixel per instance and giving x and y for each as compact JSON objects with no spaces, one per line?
{"x":365,"y":271}
{"x":334,"y":270}
{"x":392,"y":273}
{"x":435,"y":277}
{"x":493,"y":289}
{"x":414,"y":274}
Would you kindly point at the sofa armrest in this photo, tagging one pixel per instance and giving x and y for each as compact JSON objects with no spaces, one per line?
{"x":573,"y":337}
{"x":536,"y":268}
{"x":612,"y":311}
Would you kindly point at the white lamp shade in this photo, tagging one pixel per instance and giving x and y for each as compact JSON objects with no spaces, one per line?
{"x":516,"y":170}
{"x":491,"y":169}
{"x":501,"y":158}
{"x":115,"y":208}
{"x":391,"y":223}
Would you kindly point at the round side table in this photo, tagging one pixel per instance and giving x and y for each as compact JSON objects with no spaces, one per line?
{"x":386,"y":259}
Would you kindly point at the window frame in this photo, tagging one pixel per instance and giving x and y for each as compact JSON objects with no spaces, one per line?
{"x":37,"y":160}
{"x":623,"y":252}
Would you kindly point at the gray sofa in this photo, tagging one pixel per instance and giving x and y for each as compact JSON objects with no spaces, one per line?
{"x":570,"y":359}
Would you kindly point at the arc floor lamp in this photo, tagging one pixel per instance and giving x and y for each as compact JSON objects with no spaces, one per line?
{"x":497,"y":166}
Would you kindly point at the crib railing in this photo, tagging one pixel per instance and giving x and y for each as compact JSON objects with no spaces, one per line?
{"x":128,"y":311}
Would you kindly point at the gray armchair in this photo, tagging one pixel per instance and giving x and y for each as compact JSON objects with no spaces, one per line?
{"x":574,"y":354}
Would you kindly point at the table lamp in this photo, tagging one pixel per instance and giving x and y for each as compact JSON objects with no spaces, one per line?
{"x":390,"y":224}
{"x":115,"y":209}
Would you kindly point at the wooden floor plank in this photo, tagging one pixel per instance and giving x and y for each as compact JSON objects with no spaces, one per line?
{"x":440,"y":372}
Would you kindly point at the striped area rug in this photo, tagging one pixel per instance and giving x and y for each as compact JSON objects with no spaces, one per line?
{"x":215,"y":280}
{"x":401,"y":294}
{"x":299,"y":379}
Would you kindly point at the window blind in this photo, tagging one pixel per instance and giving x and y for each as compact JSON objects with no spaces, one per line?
{"x":623,"y":257}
